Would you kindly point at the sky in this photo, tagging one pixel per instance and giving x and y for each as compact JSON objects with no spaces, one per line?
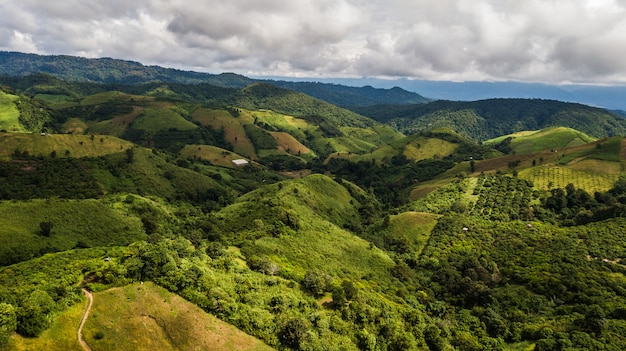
{"x":548,"y":41}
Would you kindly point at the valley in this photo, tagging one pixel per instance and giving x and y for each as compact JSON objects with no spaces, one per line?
{"x":396,"y":224}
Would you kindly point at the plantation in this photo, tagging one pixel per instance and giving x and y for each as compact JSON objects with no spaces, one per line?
{"x":549,"y":177}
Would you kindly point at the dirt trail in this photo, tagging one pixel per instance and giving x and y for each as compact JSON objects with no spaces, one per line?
{"x":84,"y":319}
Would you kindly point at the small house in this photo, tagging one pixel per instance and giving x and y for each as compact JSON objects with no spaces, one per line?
{"x":240,"y":162}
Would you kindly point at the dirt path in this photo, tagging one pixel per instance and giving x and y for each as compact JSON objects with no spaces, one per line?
{"x":84,"y":319}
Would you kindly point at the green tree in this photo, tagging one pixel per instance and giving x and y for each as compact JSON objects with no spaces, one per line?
{"x":294,"y":333}
{"x":8,"y":322}
{"x":316,"y":282}
{"x":45,"y":228}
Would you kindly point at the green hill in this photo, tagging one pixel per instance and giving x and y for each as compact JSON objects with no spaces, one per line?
{"x":488,"y":119}
{"x":551,"y":138}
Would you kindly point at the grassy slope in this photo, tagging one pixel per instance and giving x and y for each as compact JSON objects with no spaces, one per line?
{"x":92,"y":222}
{"x":147,"y":317}
{"x":77,"y":145}
{"x":61,"y":336}
{"x":217,"y":156}
{"x":545,"y":139}
{"x":9,"y":114}
{"x":414,"y":147}
{"x":321,"y":206}
{"x":234,"y":132}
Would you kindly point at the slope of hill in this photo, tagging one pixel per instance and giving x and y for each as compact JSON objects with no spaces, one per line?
{"x":487,"y":119}
{"x":346,"y":96}
{"x":168,"y":322}
{"x":112,"y":71}
{"x":106,"y":70}
{"x":551,"y":138}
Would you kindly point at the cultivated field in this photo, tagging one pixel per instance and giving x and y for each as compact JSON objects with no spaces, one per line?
{"x":550,"y":177}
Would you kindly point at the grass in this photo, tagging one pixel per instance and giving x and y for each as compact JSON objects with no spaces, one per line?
{"x":9,"y":113}
{"x":147,"y":317}
{"x":77,"y":145}
{"x":234,"y":133}
{"x":117,"y":125}
{"x":61,"y":336}
{"x":553,"y":138}
{"x":415,"y":225}
{"x":217,"y":156}
{"x":158,"y":119}
{"x":89,"y":221}
{"x":424,"y":148}
{"x":321,"y":207}
{"x":287,"y":143}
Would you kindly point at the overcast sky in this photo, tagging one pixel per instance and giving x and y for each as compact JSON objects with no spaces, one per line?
{"x":553,"y":41}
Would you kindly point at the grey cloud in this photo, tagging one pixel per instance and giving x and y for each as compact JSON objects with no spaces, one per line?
{"x":531,"y":40}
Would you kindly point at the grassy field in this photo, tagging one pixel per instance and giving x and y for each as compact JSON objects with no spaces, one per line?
{"x":234,"y":132}
{"x":546,"y":139}
{"x":157,"y":119}
{"x":217,"y":156}
{"x":9,"y":114}
{"x":61,"y":336}
{"x":423,"y":148}
{"x":287,"y":143}
{"x":148,"y":317}
{"x":88,"y":221}
{"x":321,"y":207}
{"x":76,"y":145}
{"x":415,"y":225}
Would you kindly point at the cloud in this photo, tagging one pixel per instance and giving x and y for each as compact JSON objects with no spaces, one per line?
{"x":531,"y":40}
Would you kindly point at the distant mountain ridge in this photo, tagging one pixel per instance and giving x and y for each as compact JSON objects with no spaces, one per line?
{"x":114,"y":71}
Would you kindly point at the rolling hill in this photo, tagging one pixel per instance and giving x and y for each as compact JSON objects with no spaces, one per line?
{"x":340,"y":233}
{"x":488,"y":119}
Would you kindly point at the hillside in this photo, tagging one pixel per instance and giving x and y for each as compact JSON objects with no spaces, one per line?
{"x":551,"y":138}
{"x":488,"y":119}
{"x":346,"y":96}
{"x":112,"y":71}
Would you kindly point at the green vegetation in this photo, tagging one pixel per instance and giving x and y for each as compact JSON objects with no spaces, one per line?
{"x":553,"y":138}
{"x":488,"y":119}
{"x":163,"y":321}
{"x":339,"y":234}
{"x":9,"y":114}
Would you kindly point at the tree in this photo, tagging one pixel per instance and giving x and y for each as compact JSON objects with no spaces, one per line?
{"x":45,"y":228}
{"x":293,"y":333}
{"x":8,"y":322}
{"x":316,"y":282}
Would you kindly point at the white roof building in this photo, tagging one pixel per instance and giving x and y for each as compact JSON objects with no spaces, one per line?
{"x":240,"y":162}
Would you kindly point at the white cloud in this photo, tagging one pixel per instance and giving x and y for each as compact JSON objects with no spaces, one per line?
{"x":531,"y":40}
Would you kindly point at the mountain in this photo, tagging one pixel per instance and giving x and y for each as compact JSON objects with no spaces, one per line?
{"x":609,"y":97}
{"x":114,"y":71}
{"x":347,"y":96}
{"x":106,"y":70}
{"x":487,"y":119}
